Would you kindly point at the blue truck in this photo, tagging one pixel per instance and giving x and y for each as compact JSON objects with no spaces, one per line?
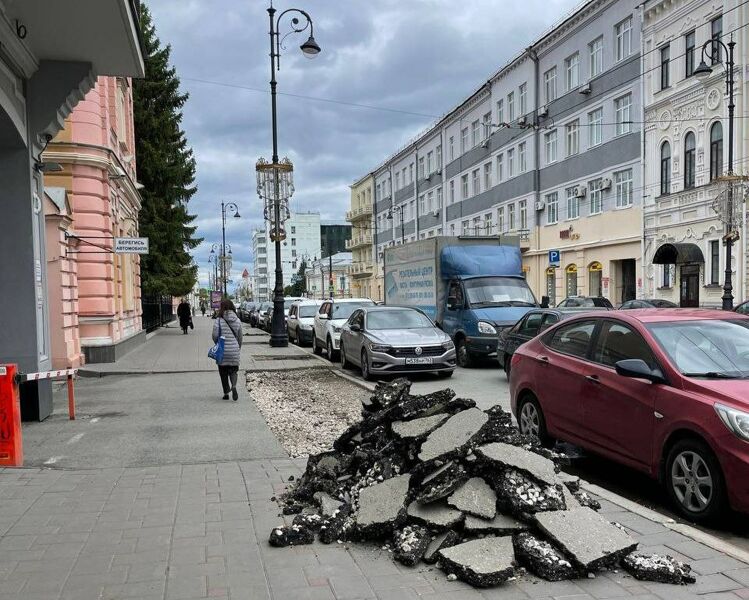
{"x":473,"y":288}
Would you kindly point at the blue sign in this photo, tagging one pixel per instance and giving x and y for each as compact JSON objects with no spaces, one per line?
{"x":555,"y":257}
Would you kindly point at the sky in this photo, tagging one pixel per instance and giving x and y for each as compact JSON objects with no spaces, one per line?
{"x":406,"y":61}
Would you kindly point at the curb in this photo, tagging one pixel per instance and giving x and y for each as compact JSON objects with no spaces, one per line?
{"x":85,"y":373}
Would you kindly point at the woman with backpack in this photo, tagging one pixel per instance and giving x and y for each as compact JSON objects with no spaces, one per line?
{"x":228,"y":326}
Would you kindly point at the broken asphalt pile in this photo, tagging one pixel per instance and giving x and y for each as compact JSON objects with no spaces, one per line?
{"x":436,"y":479}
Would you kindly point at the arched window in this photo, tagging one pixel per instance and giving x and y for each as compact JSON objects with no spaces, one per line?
{"x":595,"y":283}
{"x":665,"y":168}
{"x":571,"y":276}
{"x":689,"y":161}
{"x":716,"y":150}
{"x":551,"y":285}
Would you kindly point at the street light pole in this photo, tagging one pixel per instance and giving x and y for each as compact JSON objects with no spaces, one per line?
{"x":703,"y":71}
{"x":399,"y":209}
{"x":235,"y":209}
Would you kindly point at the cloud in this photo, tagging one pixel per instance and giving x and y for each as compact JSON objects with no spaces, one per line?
{"x":420,"y":56}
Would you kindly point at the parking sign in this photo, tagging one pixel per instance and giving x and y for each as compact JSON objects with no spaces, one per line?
{"x":554,"y":258}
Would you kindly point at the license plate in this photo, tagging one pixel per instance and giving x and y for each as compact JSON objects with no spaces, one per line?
{"x":419,"y":361}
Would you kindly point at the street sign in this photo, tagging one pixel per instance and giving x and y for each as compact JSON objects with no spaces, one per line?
{"x":216,"y":299}
{"x":130,"y":245}
{"x":555,"y":257}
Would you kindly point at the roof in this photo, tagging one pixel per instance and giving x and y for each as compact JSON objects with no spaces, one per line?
{"x":666,"y":315}
{"x":346,"y":300}
{"x":307,"y":301}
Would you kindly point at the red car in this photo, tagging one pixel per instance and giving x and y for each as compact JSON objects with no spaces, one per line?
{"x":665,"y":392}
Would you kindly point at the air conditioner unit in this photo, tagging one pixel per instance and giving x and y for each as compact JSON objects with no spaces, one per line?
{"x":540,"y":204}
{"x":522,"y":121}
{"x":606,"y":183}
{"x":427,"y":176}
{"x":544,"y":111}
{"x":580,"y":191}
{"x":435,"y":213}
{"x":438,"y":171}
{"x":585,"y":89}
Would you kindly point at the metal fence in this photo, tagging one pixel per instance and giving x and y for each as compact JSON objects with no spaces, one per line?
{"x":157,"y":311}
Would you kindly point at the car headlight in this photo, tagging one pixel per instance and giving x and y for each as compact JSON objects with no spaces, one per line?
{"x":336,"y":329}
{"x":487,"y":328}
{"x":736,"y":420}
{"x":380,"y":348}
{"x":448,"y":345}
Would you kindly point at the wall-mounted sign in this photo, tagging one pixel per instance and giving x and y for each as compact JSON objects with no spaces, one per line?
{"x":130,"y":245}
{"x":554,"y":258}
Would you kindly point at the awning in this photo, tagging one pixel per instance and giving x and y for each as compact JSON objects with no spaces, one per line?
{"x":678,"y":254}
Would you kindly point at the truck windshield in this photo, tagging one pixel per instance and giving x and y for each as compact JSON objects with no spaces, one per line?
{"x":498,"y":291}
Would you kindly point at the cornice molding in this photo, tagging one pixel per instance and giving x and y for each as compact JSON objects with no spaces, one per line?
{"x":16,"y":50}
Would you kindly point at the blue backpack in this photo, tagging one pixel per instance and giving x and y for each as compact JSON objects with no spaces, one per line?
{"x":217,"y":350}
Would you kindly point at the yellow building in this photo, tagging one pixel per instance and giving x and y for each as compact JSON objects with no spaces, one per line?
{"x":363,"y":270}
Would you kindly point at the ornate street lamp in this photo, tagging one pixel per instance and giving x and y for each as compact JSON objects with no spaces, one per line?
{"x":399,"y":210}
{"x":232,"y":208}
{"x":275,"y":182}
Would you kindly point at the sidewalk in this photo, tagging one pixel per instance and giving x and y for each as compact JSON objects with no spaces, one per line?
{"x":166,"y":493}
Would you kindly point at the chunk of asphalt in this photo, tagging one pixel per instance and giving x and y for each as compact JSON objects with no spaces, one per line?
{"x":475,"y":497}
{"x":542,"y":559}
{"x":589,"y":539}
{"x":500,"y":525}
{"x":446,"y":539}
{"x":382,"y":506}
{"x":410,"y":544}
{"x":435,"y":515}
{"x":655,"y":567}
{"x":520,"y":494}
{"x":296,"y":535}
{"x":337,"y":526}
{"x":328,"y":505}
{"x":441,"y":482}
{"x":483,"y":563}
{"x":505,"y":455}
{"x":418,"y":428}
{"x":311,"y":521}
{"x":456,"y":433}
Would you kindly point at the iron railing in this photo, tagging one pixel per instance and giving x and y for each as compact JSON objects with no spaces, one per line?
{"x":157,"y":311}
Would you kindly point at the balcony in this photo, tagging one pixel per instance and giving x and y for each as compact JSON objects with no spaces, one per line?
{"x":359,"y":241}
{"x":359,"y":212}
{"x":361,"y":269}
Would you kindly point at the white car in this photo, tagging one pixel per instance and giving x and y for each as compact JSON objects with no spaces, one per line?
{"x":326,"y":334}
{"x":301,"y":319}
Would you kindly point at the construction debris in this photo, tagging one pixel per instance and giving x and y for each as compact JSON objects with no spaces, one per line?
{"x":441,"y":481}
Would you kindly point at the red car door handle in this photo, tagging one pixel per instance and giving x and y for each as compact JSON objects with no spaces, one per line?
{"x":592,"y":378}
{"x":544,"y":360}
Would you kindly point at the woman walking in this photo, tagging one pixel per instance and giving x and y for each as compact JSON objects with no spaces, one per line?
{"x":184,"y":313}
{"x":228,"y":325}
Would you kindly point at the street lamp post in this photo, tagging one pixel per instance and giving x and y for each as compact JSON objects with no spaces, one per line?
{"x":278,"y":175}
{"x":399,"y":209}
{"x":702,"y":71}
{"x":224,"y":208}
{"x":220,"y":276}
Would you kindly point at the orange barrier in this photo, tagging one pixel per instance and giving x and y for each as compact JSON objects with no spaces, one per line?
{"x":11,"y":444}
{"x":69,"y":374}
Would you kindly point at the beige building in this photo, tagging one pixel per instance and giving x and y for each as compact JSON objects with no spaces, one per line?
{"x":364,"y":270}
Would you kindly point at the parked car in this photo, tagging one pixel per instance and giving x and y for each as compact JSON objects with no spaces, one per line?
{"x":385,"y":340}
{"x":528,"y":327}
{"x":301,"y":319}
{"x":263,"y":314}
{"x":743,"y":308}
{"x":665,"y":392}
{"x":245,"y":309}
{"x":585,"y":302}
{"x":326,"y":329}
{"x":647,"y":303}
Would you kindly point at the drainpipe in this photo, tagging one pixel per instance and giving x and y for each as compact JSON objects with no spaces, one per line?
{"x":533,"y":55}
{"x":416,"y":193}
{"x":643,"y":168}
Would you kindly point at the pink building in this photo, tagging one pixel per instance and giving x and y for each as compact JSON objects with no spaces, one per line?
{"x":94,"y":295}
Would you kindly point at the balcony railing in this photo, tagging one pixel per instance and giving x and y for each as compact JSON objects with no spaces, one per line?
{"x":361,"y":268}
{"x":359,"y":241}
{"x":359,"y":211}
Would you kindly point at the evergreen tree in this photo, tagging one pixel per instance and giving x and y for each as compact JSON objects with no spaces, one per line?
{"x":299,"y":283}
{"x":166,"y":167}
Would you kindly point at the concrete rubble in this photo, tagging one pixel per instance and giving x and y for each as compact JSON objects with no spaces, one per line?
{"x":441,"y":481}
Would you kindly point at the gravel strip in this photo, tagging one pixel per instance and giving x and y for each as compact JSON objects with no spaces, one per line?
{"x":306,"y":409}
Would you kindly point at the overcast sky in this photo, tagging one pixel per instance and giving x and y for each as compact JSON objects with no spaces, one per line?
{"x":408,"y":60}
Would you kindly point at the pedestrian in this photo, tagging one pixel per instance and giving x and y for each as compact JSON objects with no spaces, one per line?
{"x":228,"y":325}
{"x":202,"y":307}
{"x":184,"y":314}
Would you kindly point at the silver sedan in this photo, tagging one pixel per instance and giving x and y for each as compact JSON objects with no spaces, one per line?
{"x":390,"y":340}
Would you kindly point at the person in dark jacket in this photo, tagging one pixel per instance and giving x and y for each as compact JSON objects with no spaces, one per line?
{"x":231,"y":331}
{"x":184,"y":314}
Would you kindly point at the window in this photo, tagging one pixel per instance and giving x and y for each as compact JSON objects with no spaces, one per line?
{"x":476,"y":181}
{"x":487,"y":176}
{"x":689,"y":161}
{"x":293,"y":253}
{"x":716,"y":32}
{"x":595,"y":51}
{"x":666,"y":283}
{"x":623,"y":110}
{"x":511,"y":162}
{"x":397,"y":181}
{"x":412,"y":210}
{"x":616,"y":342}
{"x":476,"y":225}
{"x":452,"y":191}
{"x":552,"y":208}
{"x":501,"y":219}
{"x":551,"y":292}
{"x":573,"y":339}
{"x":475,"y":134}
{"x":571,"y":280}
{"x":293,"y":241}
{"x":439,"y":199}
{"x":430,"y":202}
{"x":572,"y":71}
{"x":550,"y":144}
{"x":452,"y":228}
{"x":500,"y":112}
{"x":665,"y":62}
{"x":511,"y":106}
{"x":378,"y":193}
{"x":511,"y":216}
{"x":464,"y":227}
{"x":595,"y":127}
{"x":464,"y":139}
{"x":421,"y":168}
{"x":595,"y":287}
{"x":486,"y":123}
{"x":623,"y":187}
{"x":665,"y":168}
{"x":488,"y":225}
{"x":522,"y":97}
{"x":623,"y":33}
{"x":595,"y":189}
{"x":716,"y":150}
{"x":500,"y":168}
{"x":689,"y":54}
{"x":422,"y":204}
{"x":573,"y":137}
{"x":293,"y":229}
{"x":550,"y":84}
{"x":523,"y":214}
{"x":438,"y":164}
{"x":464,"y":185}
{"x":714,"y":262}
{"x":404,"y":176}
{"x":521,"y":157}
{"x":430,"y":162}
{"x":530,"y":325}
{"x":451,"y":147}
{"x":411,"y":173}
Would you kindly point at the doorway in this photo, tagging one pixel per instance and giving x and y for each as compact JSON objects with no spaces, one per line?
{"x":629,"y":279}
{"x":689,"y":287}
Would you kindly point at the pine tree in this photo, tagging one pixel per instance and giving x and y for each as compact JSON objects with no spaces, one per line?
{"x":166,"y":167}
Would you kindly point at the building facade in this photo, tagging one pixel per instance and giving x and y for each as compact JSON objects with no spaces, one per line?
{"x":363,"y":268}
{"x":333,"y":237}
{"x":329,"y":277}
{"x":686,"y":150}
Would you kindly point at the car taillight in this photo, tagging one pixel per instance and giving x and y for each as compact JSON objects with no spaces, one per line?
{"x":515,"y":359}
